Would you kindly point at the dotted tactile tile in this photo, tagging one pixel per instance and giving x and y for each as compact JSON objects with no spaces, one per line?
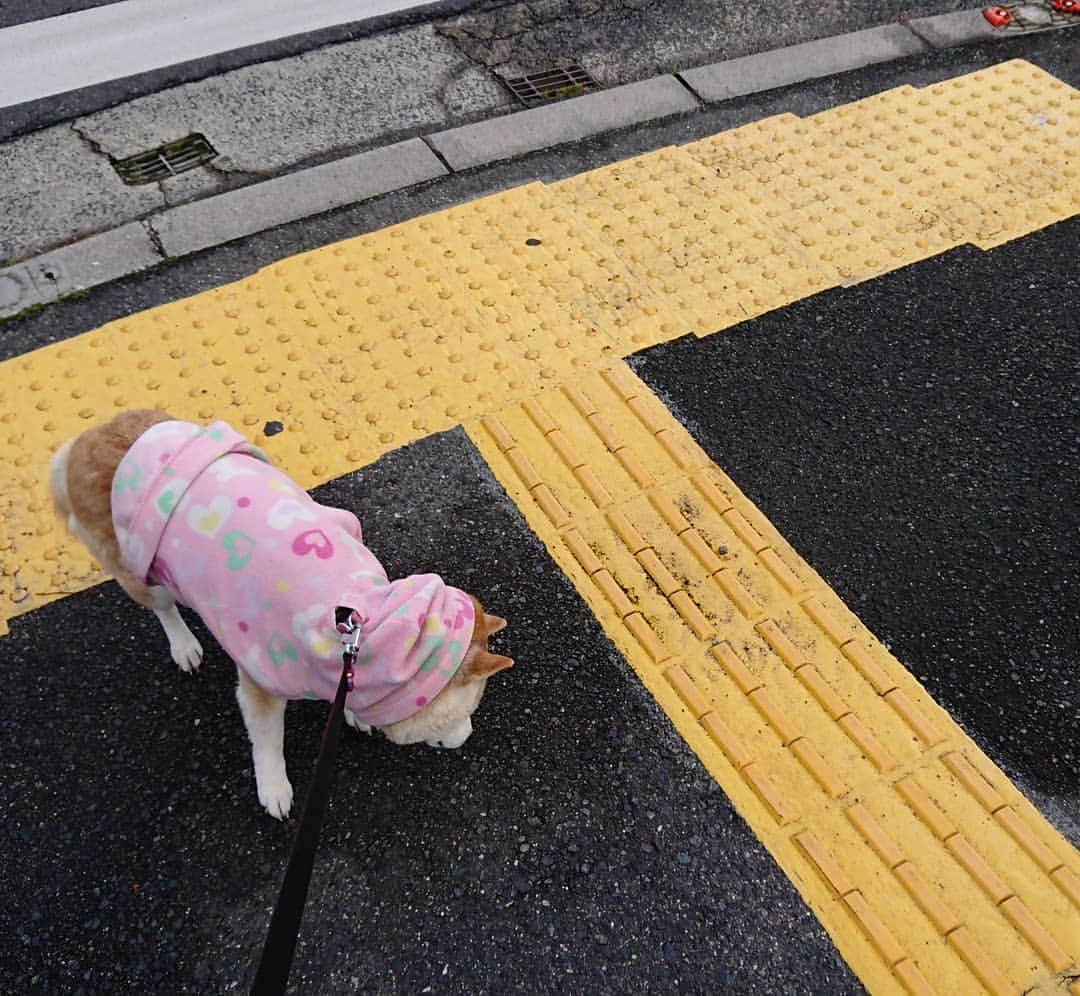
{"x":840,"y":197}
{"x":929,"y":869}
{"x":905,"y":174}
{"x":354,"y":349}
{"x":750,"y":219}
{"x":715,"y":251}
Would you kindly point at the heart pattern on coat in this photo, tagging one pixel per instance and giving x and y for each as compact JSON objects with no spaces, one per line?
{"x":313,"y":628}
{"x":313,"y":541}
{"x":285,"y":511}
{"x":239,"y":546}
{"x":207,"y":519}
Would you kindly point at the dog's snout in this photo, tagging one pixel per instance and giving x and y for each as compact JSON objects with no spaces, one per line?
{"x":454,"y":738}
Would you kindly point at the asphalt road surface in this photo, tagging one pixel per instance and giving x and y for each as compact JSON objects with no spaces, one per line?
{"x":91,"y":47}
{"x":23,"y":11}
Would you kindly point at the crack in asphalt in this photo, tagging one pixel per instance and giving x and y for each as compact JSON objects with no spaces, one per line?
{"x":155,"y":237}
{"x":90,"y":143}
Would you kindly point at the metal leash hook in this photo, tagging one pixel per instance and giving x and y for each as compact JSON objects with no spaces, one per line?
{"x":351,"y":628}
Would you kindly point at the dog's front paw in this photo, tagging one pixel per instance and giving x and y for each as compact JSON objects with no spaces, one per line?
{"x":276,"y":797}
{"x":187,"y":652}
{"x":350,"y":718}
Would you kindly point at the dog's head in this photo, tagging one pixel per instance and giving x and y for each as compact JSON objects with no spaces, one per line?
{"x":446,"y":721}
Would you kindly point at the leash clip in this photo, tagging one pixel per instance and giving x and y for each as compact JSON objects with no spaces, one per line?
{"x":351,"y":628}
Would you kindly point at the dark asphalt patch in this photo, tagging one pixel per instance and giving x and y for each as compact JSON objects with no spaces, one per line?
{"x":916,"y":439}
{"x":573,"y":844}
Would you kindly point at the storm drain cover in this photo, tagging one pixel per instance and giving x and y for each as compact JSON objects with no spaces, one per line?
{"x":165,"y":161}
{"x":553,"y":84}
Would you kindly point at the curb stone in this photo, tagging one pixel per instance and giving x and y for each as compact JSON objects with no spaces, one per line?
{"x":965,"y":27}
{"x":87,"y":263}
{"x":798,"y":63}
{"x":99,"y":259}
{"x":567,"y":121}
{"x":213,"y":221}
{"x":947,"y":30}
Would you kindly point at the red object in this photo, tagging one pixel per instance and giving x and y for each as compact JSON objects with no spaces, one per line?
{"x":1067,"y":6}
{"x":999,"y":17}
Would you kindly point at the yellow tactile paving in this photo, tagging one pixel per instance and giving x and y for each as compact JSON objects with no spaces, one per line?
{"x":510,"y":315}
{"x":928,"y":867}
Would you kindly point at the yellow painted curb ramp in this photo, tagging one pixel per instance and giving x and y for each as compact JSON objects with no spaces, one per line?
{"x":510,"y":315}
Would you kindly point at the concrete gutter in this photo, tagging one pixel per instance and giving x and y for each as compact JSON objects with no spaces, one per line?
{"x":222,"y":218}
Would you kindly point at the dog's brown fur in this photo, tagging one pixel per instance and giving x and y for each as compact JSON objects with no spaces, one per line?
{"x":83,"y":498}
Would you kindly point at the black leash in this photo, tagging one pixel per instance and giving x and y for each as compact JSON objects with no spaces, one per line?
{"x":280,"y":945}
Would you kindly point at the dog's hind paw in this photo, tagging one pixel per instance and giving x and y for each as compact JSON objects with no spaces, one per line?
{"x":350,"y":718}
{"x":187,"y":652}
{"x":277,"y":798}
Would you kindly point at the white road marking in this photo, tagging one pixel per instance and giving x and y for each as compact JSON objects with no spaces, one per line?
{"x":72,"y":51}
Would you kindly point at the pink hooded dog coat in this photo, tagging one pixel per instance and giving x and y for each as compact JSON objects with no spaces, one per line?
{"x":204,"y":513}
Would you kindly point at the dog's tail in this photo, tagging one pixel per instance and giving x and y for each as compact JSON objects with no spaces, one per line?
{"x":58,"y":466}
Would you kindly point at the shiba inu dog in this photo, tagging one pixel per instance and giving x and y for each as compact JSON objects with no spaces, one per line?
{"x":176,"y":512}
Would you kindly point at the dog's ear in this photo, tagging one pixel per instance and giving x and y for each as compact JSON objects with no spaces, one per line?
{"x":492,"y":624}
{"x":484,"y":664}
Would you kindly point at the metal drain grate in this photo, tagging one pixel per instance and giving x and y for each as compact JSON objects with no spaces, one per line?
{"x":165,"y":161}
{"x":554,"y":84}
